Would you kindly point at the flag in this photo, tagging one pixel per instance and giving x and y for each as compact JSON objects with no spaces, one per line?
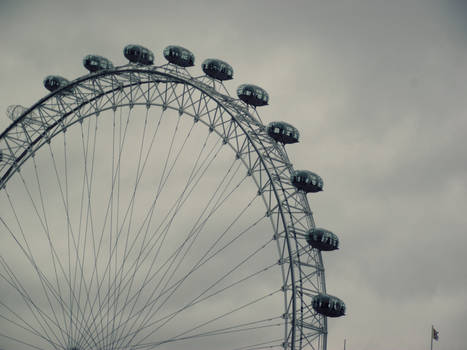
{"x":434,"y":333}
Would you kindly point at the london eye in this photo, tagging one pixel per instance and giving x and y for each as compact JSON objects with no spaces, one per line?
{"x":143,"y":207}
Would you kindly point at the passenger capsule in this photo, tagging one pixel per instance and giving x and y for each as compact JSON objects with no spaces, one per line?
{"x":179,"y":56}
{"x":139,"y":54}
{"x":94,"y":63}
{"x":15,"y":111}
{"x":307,"y":181}
{"x":328,"y":305}
{"x":252,"y":95}
{"x":322,"y":239}
{"x":217,"y":69}
{"x":283,"y":132}
{"x":55,"y":82}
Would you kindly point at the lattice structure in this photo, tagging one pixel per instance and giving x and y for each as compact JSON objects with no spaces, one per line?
{"x":239,"y":127}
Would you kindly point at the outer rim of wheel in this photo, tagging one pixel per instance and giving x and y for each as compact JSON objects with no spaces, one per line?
{"x":271,"y":160}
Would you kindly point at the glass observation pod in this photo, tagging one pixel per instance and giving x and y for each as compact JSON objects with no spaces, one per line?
{"x":328,"y":305}
{"x":217,"y":69}
{"x":307,"y":181}
{"x":55,"y":82}
{"x":322,"y":239}
{"x":283,"y":132}
{"x":94,"y":63}
{"x":15,"y":111}
{"x":138,"y":54}
{"x":179,"y":56}
{"x":252,"y":95}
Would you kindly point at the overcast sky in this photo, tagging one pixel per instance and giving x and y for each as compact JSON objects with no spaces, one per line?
{"x":377,"y":91}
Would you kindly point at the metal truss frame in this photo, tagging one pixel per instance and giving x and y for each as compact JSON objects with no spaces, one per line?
{"x":237,"y":124}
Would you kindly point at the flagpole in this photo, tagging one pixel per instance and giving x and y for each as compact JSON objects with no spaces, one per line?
{"x":432,"y":337}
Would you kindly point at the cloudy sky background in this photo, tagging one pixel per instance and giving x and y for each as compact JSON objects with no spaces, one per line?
{"x":376,"y":89}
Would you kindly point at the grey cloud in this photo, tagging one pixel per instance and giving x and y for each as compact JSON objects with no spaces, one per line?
{"x":377,"y":92}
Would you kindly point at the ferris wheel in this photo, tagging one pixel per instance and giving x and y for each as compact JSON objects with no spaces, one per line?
{"x":143,"y":207}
